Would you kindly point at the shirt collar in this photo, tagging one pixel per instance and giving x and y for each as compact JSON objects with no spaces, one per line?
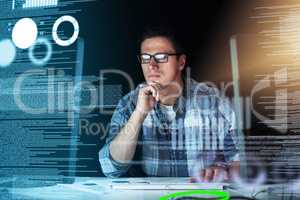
{"x":180,"y":104}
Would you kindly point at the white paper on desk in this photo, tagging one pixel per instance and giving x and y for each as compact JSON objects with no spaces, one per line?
{"x":166,"y":186}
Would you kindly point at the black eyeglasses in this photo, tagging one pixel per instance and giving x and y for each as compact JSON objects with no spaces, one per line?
{"x":145,"y":58}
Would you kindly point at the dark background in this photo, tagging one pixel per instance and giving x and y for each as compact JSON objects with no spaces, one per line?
{"x":111,"y":30}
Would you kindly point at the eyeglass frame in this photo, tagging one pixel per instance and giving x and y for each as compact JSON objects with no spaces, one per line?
{"x":153,"y":56}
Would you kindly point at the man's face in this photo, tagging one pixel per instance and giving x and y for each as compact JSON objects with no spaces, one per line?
{"x":163,"y":73}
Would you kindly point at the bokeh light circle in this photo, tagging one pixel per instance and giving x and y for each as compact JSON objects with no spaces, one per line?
{"x":7,"y":52}
{"x":24,"y":33}
{"x":47,"y":57}
{"x":74,"y":37}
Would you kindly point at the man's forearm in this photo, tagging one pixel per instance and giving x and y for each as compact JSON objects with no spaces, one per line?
{"x":123,"y":147}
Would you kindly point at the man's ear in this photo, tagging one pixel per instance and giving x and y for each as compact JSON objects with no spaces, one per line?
{"x":182,"y":61}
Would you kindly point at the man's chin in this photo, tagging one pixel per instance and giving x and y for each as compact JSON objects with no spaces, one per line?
{"x":152,"y":80}
{"x":161,"y":82}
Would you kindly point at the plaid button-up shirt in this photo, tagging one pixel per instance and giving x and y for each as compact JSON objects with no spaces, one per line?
{"x":201,"y":133}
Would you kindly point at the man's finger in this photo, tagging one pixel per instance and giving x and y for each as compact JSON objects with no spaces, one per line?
{"x":209,"y":172}
{"x":219,"y":174}
{"x":226,"y":176}
{"x":157,"y":88}
{"x":156,"y":95}
{"x":202,"y":174}
{"x":150,"y":90}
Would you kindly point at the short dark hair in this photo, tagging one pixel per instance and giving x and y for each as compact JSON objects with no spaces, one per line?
{"x":162,"y":31}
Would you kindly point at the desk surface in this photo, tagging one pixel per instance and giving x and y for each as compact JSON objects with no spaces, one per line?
{"x":98,"y":188}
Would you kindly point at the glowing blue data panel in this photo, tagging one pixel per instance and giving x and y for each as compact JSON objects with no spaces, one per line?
{"x":38,"y":135}
{"x":19,"y":4}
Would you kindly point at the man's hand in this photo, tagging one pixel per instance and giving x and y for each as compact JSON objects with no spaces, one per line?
{"x":148,"y":96}
{"x":218,"y":173}
{"x":123,"y":147}
{"x":215,"y":173}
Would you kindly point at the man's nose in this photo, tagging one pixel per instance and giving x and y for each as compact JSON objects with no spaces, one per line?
{"x":153,"y":63}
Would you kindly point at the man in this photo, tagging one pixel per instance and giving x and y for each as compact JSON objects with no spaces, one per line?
{"x":177,"y":126}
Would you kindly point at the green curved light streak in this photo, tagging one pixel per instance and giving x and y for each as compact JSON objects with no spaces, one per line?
{"x":222,"y":195}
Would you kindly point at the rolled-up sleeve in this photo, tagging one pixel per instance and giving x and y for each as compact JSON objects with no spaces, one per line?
{"x":109,"y":166}
{"x":122,"y":113}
